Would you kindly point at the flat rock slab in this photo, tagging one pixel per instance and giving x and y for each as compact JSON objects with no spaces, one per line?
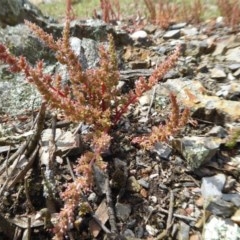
{"x":192,"y":94}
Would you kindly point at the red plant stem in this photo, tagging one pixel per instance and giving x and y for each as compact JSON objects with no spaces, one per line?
{"x":119,"y":113}
{"x":103,"y":102}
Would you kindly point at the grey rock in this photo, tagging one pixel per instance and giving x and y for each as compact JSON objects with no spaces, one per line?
{"x":122,"y":211}
{"x":150,"y":28}
{"x":143,"y":183}
{"x":196,"y":150}
{"x":233,"y":55}
{"x":221,"y":229}
{"x":151,"y":230}
{"x":178,"y":26}
{"x":237,"y":73}
{"x":230,"y":76}
{"x":217,"y":73}
{"x":220,"y":49}
{"x":139,"y":231}
{"x":219,"y":207}
{"x":233,"y":198}
{"x":172,"y":34}
{"x":171,"y":74}
{"x":234,"y":66}
{"x":92,"y":197}
{"x":206,"y":47}
{"x":13,"y":12}
{"x":100,"y":179}
{"x":87,"y":51}
{"x":203,"y":67}
{"x":139,"y":35}
{"x":217,"y":131}
{"x":145,"y":100}
{"x":204,"y":106}
{"x":128,"y":233}
{"x":18,"y":95}
{"x":229,"y":91}
{"x":120,"y":175}
{"x":21,"y":41}
{"x":91,"y":28}
{"x":184,"y":230}
{"x":153,"y":199}
{"x":163,"y":150}
{"x":224,"y":91}
{"x":230,"y":184}
{"x":189,"y":31}
{"x":213,"y":186}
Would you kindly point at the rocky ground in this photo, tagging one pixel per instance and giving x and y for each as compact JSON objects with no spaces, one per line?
{"x":186,"y":189}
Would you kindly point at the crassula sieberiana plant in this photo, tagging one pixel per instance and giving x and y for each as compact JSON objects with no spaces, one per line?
{"x":92,"y":96}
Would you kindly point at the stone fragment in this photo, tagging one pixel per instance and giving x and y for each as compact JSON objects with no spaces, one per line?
{"x":65,"y":142}
{"x":230,"y":90}
{"x":220,"y":229}
{"x":222,"y":45}
{"x":237,"y":73}
{"x":232,"y":197}
{"x":230,"y":184}
{"x":196,"y":150}
{"x":102,"y":215}
{"x":220,"y":50}
{"x":230,"y":76}
{"x":233,"y":55}
{"x":133,"y":185}
{"x":120,"y":175}
{"x":236,"y":217}
{"x":13,"y":12}
{"x":219,"y":207}
{"x":100,"y":180}
{"x":217,"y":73}
{"x":145,"y":100}
{"x":22,"y":41}
{"x":178,"y":26}
{"x":224,"y":91}
{"x":203,"y":67}
{"x":189,"y":31}
{"x":122,"y":211}
{"x":172,"y":34}
{"x":234,"y":66}
{"x":217,"y":131}
{"x":213,"y":186}
{"x":143,"y":183}
{"x":184,"y":230}
{"x":150,"y":28}
{"x":92,"y":197}
{"x":128,"y":233}
{"x":86,"y":50}
{"x":139,"y":35}
{"x":171,"y":74}
{"x":139,"y":231}
{"x":192,"y":94}
{"x":163,"y":150}
{"x":151,"y":230}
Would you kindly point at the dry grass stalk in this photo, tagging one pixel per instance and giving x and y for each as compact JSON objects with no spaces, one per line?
{"x":230,"y":10}
{"x":110,"y":10}
{"x":165,"y":13}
